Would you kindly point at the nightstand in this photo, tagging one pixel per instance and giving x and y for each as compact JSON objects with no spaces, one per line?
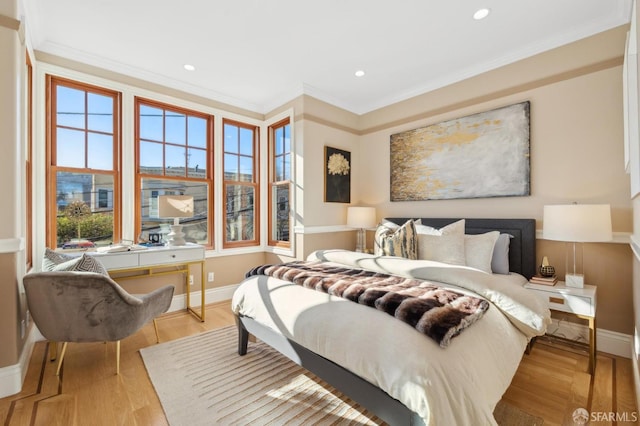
{"x":578,"y":301}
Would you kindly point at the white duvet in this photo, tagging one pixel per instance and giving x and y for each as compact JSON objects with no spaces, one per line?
{"x":457,"y":385}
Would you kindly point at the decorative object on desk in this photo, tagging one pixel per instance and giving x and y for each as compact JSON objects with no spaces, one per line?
{"x":337,"y":175}
{"x":361,"y":218}
{"x":547,"y":270}
{"x":175,"y":206}
{"x":577,"y":223}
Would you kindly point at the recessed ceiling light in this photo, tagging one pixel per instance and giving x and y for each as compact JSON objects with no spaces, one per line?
{"x":481,"y":14}
{"x":359,"y":73}
{"x":189,"y":67}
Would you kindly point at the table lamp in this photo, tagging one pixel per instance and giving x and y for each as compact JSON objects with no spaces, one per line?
{"x":361,"y":218}
{"x":175,"y":206}
{"x":577,"y":223}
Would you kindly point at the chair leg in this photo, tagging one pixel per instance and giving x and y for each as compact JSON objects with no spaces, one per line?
{"x":64,"y":349}
{"x":118,"y":357}
{"x":155,"y":325}
{"x":53,"y":351}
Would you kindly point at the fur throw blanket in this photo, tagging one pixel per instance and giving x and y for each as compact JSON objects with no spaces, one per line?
{"x":432,"y":310}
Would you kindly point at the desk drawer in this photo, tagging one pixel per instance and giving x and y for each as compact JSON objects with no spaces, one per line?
{"x":579,"y":305}
{"x":113,"y":261}
{"x":171,"y":256}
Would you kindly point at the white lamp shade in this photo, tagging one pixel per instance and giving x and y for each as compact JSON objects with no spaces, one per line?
{"x":579,"y":223}
{"x":175,"y":206}
{"x":361,"y":217}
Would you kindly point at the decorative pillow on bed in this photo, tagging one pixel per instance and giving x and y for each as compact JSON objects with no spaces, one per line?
{"x":396,"y":240}
{"x":64,"y":262}
{"x":442,"y":245}
{"x":500,"y":259}
{"x":386,"y":227}
{"x":478,"y":250}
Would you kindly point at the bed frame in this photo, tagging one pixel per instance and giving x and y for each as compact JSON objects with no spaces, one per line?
{"x":522,"y":259}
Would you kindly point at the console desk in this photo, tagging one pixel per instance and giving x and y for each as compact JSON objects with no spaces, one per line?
{"x":156,"y":261}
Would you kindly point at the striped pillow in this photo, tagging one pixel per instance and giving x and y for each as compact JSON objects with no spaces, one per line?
{"x":401,"y":242}
{"x":84,"y":263}
{"x":52,"y":258}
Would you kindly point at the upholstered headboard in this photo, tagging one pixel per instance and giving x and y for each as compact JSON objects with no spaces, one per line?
{"x":522,"y":247}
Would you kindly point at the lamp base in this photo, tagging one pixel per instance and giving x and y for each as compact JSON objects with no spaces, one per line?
{"x":574,"y":280}
{"x":360,"y":243}
{"x":176,"y":236}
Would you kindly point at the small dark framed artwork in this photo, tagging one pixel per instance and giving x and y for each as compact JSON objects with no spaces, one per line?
{"x":337,"y":175}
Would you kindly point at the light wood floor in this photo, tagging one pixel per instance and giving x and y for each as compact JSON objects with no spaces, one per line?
{"x":550,"y":383}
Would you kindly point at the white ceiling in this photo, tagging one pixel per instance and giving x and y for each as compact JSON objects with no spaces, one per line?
{"x":259,"y":54}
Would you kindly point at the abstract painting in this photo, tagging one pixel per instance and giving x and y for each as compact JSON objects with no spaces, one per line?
{"x":337,"y":175}
{"x":477,"y":156}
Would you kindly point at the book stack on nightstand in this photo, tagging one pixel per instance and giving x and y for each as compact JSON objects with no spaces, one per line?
{"x":539,"y":279}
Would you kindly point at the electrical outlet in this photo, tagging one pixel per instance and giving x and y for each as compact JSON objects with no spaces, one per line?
{"x":210,"y":278}
{"x":190,"y":279}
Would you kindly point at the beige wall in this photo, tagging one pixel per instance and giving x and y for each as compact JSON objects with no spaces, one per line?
{"x":228,"y":270}
{"x":13,"y":314}
{"x":576,"y":155}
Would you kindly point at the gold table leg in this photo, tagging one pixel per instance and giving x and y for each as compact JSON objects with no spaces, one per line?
{"x":203,"y":285}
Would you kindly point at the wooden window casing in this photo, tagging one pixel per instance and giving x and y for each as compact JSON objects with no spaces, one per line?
{"x":56,"y":165}
{"x":280,"y":161}
{"x":175,"y":172}
{"x":235,"y":155}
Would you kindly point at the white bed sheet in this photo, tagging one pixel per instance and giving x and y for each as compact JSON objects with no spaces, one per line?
{"x":458,"y":385}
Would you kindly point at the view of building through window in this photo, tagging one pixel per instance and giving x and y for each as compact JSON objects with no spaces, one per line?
{"x":82,"y":175}
{"x":240,"y":183}
{"x":280,"y":184}
{"x":173,"y":156}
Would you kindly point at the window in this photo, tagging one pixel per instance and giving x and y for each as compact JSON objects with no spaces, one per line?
{"x":280,"y":184}
{"x":241,"y":181}
{"x":83,"y":157}
{"x":174,"y":156}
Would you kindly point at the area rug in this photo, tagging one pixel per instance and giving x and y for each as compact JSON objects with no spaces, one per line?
{"x":201,"y":380}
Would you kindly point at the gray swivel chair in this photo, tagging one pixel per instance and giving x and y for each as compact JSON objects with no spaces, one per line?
{"x":90,"y":307}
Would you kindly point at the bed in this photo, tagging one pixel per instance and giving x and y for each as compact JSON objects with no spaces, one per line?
{"x":403,"y":377}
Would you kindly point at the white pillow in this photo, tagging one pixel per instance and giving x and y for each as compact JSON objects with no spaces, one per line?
{"x":442,"y":245}
{"x":455,"y":228}
{"x":393,"y":226}
{"x":478,"y":250}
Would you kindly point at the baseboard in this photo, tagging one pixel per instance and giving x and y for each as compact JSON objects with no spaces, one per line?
{"x":211,"y":295}
{"x":607,"y":341}
{"x":12,"y":377}
{"x":635,"y":348}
